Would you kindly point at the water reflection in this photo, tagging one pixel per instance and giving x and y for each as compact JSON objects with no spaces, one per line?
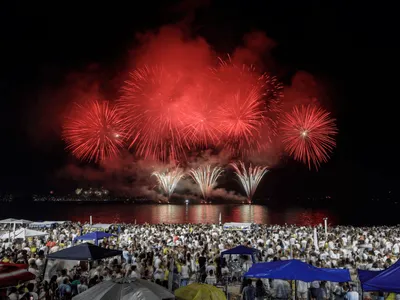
{"x":157,"y":214}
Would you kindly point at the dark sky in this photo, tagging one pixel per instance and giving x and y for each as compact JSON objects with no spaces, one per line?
{"x":352,"y":45}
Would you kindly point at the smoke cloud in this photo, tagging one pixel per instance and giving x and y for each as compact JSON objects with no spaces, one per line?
{"x":303,"y":89}
{"x":255,"y":51}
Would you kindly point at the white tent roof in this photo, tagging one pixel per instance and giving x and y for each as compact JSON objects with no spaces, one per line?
{"x":58,"y":222}
{"x":22,"y":233}
{"x":42,"y":224}
{"x":8,"y":221}
{"x":14,"y":221}
{"x":46,"y":223}
{"x":103,"y":226}
{"x":22,"y":221}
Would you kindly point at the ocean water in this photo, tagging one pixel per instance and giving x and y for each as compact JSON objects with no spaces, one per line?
{"x":162,"y":213}
{"x":108,"y":212}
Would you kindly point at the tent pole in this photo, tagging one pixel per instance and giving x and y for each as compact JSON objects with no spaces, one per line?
{"x":14,"y":232}
{"x":226,"y":286}
{"x":44,"y":269}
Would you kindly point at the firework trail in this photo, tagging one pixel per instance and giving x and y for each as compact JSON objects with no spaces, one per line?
{"x":94,"y":132}
{"x":155,"y":110}
{"x":249,"y":178}
{"x":308,"y":134}
{"x":206,"y":177}
{"x":167,"y":181}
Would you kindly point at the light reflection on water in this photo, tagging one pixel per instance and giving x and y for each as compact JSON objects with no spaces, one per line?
{"x":197,"y":213}
{"x":156,"y":214}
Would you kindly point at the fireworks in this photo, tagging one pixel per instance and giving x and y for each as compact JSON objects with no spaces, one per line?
{"x":167,"y":181}
{"x":167,"y":114}
{"x":203,"y":123}
{"x":206,"y":177}
{"x":249,"y":102}
{"x":308,"y":134}
{"x":249,"y":178}
{"x":241,"y":121}
{"x":94,"y":132}
{"x":154,"y":109}
{"x":170,"y":113}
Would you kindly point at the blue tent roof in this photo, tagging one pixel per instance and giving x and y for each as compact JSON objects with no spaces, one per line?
{"x":240,"y":250}
{"x":93,"y":236}
{"x":365,"y":275}
{"x":84,"y":252}
{"x":384,"y":281}
{"x":296,"y":270}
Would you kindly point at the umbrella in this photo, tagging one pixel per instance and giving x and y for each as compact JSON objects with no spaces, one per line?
{"x":11,"y":274}
{"x":198,"y":291}
{"x":126,"y":289}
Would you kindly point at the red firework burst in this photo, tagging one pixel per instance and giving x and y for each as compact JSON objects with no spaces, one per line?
{"x":249,"y":104}
{"x":308,"y":134}
{"x":203,"y":123}
{"x":241,"y":120}
{"x":93,"y":132}
{"x":169,"y":112}
{"x":155,"y":109}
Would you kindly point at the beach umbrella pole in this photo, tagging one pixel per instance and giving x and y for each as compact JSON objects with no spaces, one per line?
{"x":326,"y":226}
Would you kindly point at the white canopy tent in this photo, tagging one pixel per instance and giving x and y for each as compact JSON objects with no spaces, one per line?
{"x":8,"y":221}
{"x":237,"y":226}
{"x":24,"y":221}
{"x":15,"y":221}
{"x":22,"y":233}
{"x":99,"y":226}
{"x":42,"y":224}
{"x":47,"y":223}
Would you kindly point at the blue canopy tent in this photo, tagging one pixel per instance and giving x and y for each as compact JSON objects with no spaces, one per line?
{"x":241,"y":250}
{"x":84,"y":252}
{"x":296,"y":270}
{"x":383,"y":281}
{"x":365,"y":275}
{"x":93,"y":236}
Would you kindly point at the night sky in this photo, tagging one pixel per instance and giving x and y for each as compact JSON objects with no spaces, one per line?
{"x":351,"y":46}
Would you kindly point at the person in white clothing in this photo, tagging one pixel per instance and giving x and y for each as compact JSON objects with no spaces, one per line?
{"x":302,"y":289}
{"x":211,"y":279}
{"x":134,"y":273}
{"x":184,"y":274}
{"x":352,"y":294}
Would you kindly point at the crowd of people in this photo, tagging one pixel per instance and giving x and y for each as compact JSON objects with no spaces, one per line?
{"x":176,"y":255}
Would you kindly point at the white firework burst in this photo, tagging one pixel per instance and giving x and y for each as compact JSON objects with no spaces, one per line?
{"x":206,"y":177}
{"x":249,"y":178}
